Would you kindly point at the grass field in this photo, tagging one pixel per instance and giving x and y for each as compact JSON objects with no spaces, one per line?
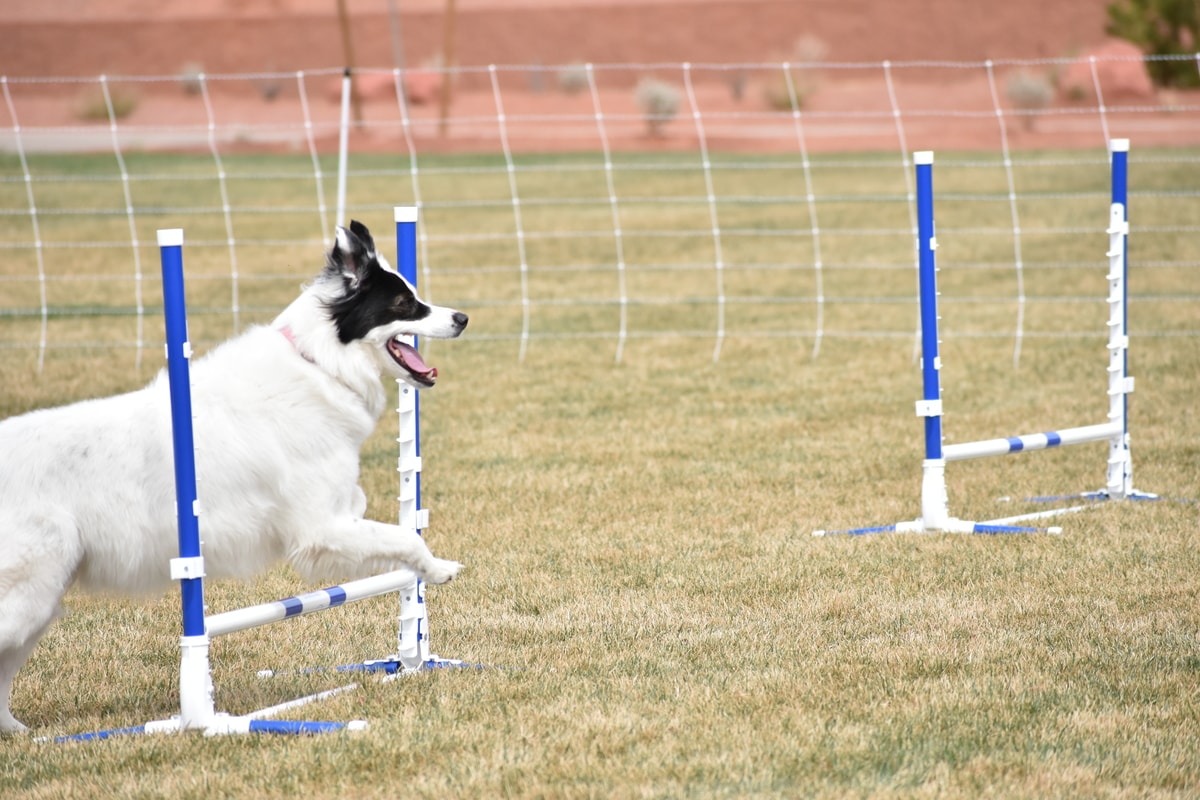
{"x":653,"y":616}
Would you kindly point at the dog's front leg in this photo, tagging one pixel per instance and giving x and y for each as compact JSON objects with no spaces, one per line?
{"x":363,"y":547}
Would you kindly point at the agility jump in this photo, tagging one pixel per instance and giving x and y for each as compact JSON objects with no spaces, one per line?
{"x":197,"y":710}
{"x":935,"y":513}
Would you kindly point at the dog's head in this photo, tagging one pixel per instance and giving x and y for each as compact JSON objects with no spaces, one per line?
{"x":378,"y":307}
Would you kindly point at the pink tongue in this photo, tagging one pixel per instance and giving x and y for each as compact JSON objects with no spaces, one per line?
{"x":411,"y":360}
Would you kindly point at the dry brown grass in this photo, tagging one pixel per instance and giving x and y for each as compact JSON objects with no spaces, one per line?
{"x":655,"y":618}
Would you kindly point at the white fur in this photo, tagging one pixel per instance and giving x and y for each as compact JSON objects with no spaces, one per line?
{"x":87,"y":491}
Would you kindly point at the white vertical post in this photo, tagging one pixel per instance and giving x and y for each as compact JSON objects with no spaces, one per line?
{"x":312,"y":152}
{"x":510,"y":166}
{"x":343,"y":147}
{"x":226,"y":208}
{"x":1100,"y":107}
{"x":133,"y":236}
{"x":1018,"y":260}
{"x":814,"y":226}
{"x":618,"y":237}
{"x":414,"y":171}
{"x":898,"y":118}
{"x":1117,"y":343}
{"x":412,"y":636}
{"x":196,"y":706}
{"x":33,"y":218}
{"x":713,"y":219}
{"x":413,"y":644}
{"x":935,"y":502}
{"x":1119,"y":480}
{"x":409,"y":464}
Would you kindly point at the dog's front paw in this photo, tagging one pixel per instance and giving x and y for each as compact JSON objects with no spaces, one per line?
{"x":441,"y":571}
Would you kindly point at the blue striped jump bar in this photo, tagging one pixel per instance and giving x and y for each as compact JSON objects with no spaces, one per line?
{"x":253,"y":616}
{"x":325,"y":598}
{"x":1032,"y":441}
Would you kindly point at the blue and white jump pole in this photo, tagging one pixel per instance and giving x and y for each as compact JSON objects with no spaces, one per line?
{"x":935,"y":514}
{"x":413,"y":649}
{"x":412,"y":636}
{"x":196,"y":710}
{"x":413,"y":652}
{"x":195,"y":696}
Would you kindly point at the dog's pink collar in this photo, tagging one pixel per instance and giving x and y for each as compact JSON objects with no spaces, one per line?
{"x":288,"y":334}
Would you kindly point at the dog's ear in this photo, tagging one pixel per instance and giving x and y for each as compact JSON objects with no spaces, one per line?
{"x":364,"y":235}
{"x":352,"y":253}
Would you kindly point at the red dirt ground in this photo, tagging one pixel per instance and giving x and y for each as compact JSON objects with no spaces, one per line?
{"x":87,"y":37}
{"x":849,"y":108}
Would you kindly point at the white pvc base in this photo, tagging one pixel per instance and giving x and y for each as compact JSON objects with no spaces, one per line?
{"x":222,"y":724}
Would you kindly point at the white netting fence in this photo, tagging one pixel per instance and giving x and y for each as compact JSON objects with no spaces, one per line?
{"x":609,"y":202}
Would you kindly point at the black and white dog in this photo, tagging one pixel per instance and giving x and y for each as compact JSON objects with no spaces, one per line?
{"x":87,"y":491}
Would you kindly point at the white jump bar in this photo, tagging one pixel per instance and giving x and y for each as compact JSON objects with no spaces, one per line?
{"x":253,"y":616}
{"x":1031,"y":441}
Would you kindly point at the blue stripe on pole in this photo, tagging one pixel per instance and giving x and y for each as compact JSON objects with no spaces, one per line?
{"x":1120,"y":175}
{"x":293,"y":727}
{"x":337,"y":596}
{"x":292,"y":607}
{"x":406,"y":264}
{"x":927,"y":278}
{"x":1053,"y":439}
{"x":180,"y":385}
{"x":1015,"y":445}
{"x":1120,"y":194}
{"x":406,"y":250}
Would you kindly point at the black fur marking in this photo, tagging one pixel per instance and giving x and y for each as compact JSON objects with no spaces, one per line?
{"x":375,"y":296}
{"x":364,"y":235}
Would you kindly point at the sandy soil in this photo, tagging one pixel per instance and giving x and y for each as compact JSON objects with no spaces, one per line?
{"x":848,"y":107}
{"x":83,"y":37}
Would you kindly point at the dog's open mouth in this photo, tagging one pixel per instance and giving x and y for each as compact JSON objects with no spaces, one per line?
{"x":407,"y":357}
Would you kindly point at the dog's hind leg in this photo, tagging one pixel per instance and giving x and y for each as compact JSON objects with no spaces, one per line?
{"x":363,"y":547}
{"x":11,"y":660}
{"x":38,"y":560}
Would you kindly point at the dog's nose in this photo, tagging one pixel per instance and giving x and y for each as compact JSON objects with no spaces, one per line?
{"x":460,"y":319}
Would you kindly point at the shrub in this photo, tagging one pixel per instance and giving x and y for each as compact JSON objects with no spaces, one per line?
{"x":807,"y":53}
{"x":573,"y":78}
{"x":658,"y":101}
{"x":737,"y":84}
{"x":93,"y":108}
{"x":1161,"y":28}
{"x":190,"y":78}
{"x":1029,"y":91}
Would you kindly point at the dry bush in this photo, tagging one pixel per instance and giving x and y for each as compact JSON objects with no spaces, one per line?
{"x":658,"y":101}
{"x":790,"y":91}
{"x":1029,"y":92}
